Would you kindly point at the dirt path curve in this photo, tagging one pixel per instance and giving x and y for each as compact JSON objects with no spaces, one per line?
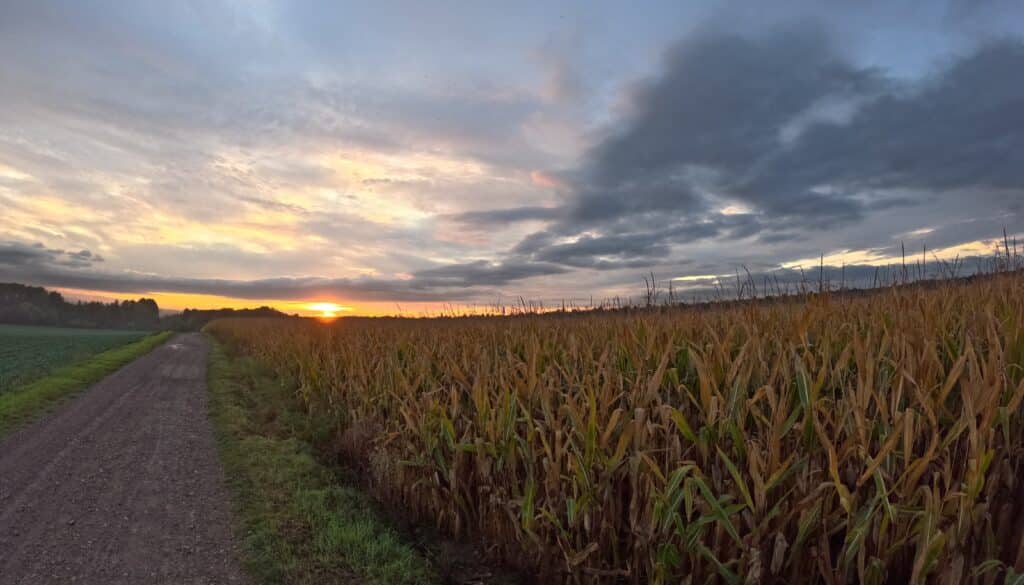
{"x":122,"y":484}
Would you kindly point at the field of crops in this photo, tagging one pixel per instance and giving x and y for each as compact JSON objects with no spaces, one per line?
{"x":835,"y":439}
{"x":29,"y":353}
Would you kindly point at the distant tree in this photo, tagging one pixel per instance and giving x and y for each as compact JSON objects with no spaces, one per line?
{"x":195,"y":319}
{"x":32,"y":305}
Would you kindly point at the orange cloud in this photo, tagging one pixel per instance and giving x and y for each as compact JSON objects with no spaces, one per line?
{"x":548,"y":180}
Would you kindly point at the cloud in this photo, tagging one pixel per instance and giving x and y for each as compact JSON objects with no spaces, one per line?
{"x":714,"y":114}
{"x":548,"y":180}
{"x":16,"y":255}
{"x":634,"y":250}
{"x":484,"y":273}
{"x":957,"y":131}
{"x":507,"y":215}
{"x":211,"y":142}
{"x":562,"y":82}
{"x":281,"y":288}
{"x":37,"y":264}
{"x":12,"y":254}
{"x":803,"y":139}
{"x":721,"y":101}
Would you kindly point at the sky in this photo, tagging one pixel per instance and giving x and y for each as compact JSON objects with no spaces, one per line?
{"x":405,"y":157}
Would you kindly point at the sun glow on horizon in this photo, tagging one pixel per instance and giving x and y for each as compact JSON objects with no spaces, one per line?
{"x":327,"y":310}
{"x":176,"y":302}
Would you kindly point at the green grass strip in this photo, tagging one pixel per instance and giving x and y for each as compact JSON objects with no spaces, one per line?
{"x":299,"y":522}
{"x":23,"y":405}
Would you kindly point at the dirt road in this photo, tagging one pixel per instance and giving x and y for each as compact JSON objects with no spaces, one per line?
{"x":121,"y":485}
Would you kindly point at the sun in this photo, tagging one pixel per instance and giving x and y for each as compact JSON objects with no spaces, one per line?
{"x":327,"y":310}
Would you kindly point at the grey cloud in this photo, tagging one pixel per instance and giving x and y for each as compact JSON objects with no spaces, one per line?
{"x":563,"y":82}
{"x":507,"y":215}
{"x":781,"y":236}
{"x":86,"y":256}
{"x":597,"y":204}
{"x":137,"y":92}
{"x":13,"y":254}
{"x":284,"y":288}
{"x":478,"y":121}
{"x":17,"y":255}
{"x":611,"y":251}
{"x":469,"y":281}
{"x":713,"y":123}
{"x":618,"y":251}
{"x":271,"y":205}
{"x":461,"y":287}
{"x":485,"y":273}
{"x":958,"y":131}
{"x":721,"y":102}
{"x":716,"y":111}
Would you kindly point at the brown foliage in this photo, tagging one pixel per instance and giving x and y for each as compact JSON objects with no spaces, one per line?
{"x":871,"y":438}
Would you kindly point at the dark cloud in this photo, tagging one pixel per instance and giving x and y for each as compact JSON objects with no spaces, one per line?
{"x":507,"y":215}
{"x":736,"y":119}
{"x":717,"y":109}
{"x":12,"y":254}
{"x":619,"y":251}
{"x":721,"y":102}
{"x":634,"y":249}
{"x":271,"y":205}
{"x":959,"y":131}
{"x":16,"y":255}
{"x":37,"y":264}
{"x":284,"y":288}
{"x":629,"y":250}
{"x":484,"y":273}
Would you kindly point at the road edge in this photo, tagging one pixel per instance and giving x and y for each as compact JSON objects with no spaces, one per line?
{"x":22,"y":406}
{"x":295,"y":520}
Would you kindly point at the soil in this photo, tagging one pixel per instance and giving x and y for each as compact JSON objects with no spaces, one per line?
{"x":122,"y":484}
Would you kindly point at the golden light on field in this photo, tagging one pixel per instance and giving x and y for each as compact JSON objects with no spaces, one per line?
{"x":387,"y":376}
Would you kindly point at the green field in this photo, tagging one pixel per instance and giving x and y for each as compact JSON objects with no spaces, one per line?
{"x":29,"y":353}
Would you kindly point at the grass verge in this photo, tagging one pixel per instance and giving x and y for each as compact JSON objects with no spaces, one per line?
{"x":21,"y":406}
{"x":299,"y":524}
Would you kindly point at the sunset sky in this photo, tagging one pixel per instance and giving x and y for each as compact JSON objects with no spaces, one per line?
{"x":392,"y":156}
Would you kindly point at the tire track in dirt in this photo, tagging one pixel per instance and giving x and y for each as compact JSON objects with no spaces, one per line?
{"x":122,"y":484}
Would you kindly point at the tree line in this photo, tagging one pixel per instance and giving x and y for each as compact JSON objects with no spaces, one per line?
{"x":196,"y":319}
{"x":33,"y":305}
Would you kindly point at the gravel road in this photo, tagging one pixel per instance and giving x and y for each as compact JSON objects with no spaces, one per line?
{"x":122,"y":484}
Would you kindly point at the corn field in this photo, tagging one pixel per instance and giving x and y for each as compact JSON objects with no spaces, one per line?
{"x":829,"y":439}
